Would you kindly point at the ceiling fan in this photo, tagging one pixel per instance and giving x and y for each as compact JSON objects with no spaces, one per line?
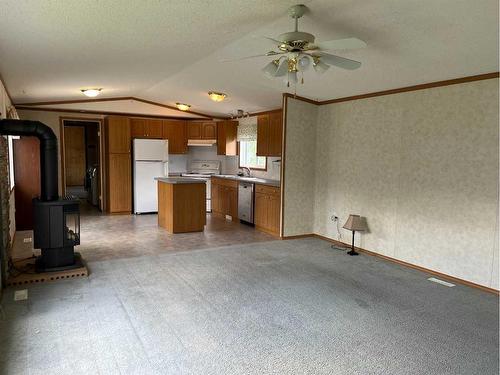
{"x":296,"y":50}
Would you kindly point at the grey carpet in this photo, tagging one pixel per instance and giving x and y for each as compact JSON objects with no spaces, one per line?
{"x":280,"y":307}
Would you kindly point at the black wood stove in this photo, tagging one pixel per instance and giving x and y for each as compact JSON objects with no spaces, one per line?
{"x":56,"y":229}
{"x":56,"y":221}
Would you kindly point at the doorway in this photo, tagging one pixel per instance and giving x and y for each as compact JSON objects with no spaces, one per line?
{"x":81,"y":160}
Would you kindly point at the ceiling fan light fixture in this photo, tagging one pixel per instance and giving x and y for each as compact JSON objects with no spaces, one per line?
{"x":319,"y":66}
{"x":304,"y":62}
{"x":91,"y":93}
{"x":271,"y":68}
{"x":217,"y":96}
{"x":182,"y":106}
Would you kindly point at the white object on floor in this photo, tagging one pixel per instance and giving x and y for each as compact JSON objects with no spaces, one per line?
{"x":21,"y":295}
{"x":442,"y":282}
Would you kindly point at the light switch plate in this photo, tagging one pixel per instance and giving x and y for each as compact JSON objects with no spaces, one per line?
{"x":21,"y":295}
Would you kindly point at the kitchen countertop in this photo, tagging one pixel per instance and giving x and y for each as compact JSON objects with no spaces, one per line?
{"x":180,"y":180}
{"x":255,"y":180}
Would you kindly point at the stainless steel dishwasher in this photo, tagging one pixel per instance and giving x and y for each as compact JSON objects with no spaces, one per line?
{"x":245,"y":202}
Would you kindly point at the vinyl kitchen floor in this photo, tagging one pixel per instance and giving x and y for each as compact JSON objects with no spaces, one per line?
{"x":106,"y":237}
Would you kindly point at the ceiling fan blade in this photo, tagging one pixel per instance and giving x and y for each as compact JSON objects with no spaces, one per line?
{"x":348,"y":43}
{"x":270,"y":53}
{"x":282,"y":69}
{"x":341,"y":62}
{"x":274,"y":42}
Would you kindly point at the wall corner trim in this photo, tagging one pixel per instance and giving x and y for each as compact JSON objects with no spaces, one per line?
{"x":448,"y":82}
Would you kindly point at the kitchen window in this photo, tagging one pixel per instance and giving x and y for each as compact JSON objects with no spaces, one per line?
{"x":248,"y":156}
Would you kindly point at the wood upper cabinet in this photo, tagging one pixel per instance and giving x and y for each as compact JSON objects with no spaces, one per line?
{"x":194,"y":130}
{"x":262,"y":135}
{"x":137,"y":127}
{"x":267,"y":209}
{"x":275,"y":133}
{"x":209,"y":130}
{"x":154,"y":128}
{"x":146,"y":128}
{"x":202,"y":130}
{"x":119,"y":183}
{"x":117,"y":134}
{"x":269,"y":134}
{"x":176,"y":133}
{"x":226,"y":137}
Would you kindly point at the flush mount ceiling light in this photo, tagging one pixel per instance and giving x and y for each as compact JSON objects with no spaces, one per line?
{"x":91,"y":93}
{"x":294,"y":52}
{"x":182,"y":106}
{"x":217,"y":96}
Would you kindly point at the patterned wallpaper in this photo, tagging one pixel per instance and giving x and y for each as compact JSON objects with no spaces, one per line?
{"x":299,"y":167}
{"x":421,"y":166}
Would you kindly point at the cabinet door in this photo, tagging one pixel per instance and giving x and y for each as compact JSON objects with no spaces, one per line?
{"x":232,"y":197}
{"x":153,"y":128}
{"x":273,"y":213}
{"x":119,"y":183}
{"x":138,"y":127}
{"x":194,"y":130}
{"x":263,"y":135}
{"x":117,"y":135}
{"x":209,"y":130}
{"x":221,"y":138}
{"x":226,"y":137}
{"x":175,"y":132}
{"x":215,"y":195}
{"x":260,"y":210}
{"x":275,"y":134}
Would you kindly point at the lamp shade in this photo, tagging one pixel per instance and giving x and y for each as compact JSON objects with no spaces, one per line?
{"x":355,"y":223}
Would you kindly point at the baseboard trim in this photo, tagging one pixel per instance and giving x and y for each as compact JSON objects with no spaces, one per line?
{"x":400,"y":262}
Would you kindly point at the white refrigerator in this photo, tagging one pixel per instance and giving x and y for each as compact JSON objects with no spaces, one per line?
{"x":150,"y":161}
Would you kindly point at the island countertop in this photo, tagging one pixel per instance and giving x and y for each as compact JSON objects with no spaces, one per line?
{"x":180,"y":180}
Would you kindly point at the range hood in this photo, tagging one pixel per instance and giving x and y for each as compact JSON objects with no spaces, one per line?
{"x":202,"y":142}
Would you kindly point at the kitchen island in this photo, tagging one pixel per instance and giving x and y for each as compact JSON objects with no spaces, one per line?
{"x":181,"y":204}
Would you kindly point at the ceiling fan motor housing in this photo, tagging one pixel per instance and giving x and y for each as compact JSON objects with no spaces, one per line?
{"x":298,"y":40}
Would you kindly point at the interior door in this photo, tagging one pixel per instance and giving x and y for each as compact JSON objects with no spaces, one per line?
{"x":74,"y":155}
{"x":27,"y":176}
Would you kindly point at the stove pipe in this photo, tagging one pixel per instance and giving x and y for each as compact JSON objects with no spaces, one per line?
{"x":48,"y":152}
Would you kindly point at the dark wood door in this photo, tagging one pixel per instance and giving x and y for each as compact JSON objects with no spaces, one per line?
{"x":27,"y":178}
{"x":74,"y":155}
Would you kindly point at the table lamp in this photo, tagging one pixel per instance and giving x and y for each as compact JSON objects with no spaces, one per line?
{"x":354,"y":223}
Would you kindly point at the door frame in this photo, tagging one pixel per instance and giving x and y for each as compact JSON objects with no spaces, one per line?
{"x":100,"y":128}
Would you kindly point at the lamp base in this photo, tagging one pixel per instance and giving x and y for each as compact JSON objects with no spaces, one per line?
{"x":352,"y":253}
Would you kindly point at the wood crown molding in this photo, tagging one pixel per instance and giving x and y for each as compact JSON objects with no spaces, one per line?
{"x":422,"y":86}
{"x":104,"y":113}
{"x":265,"y":112}
{"x":118,"y":98}
{"x":400,"y":262}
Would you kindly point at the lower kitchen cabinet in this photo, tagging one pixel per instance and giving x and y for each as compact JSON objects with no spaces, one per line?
{"x":267,"y":209}
{"x":224,"y":195}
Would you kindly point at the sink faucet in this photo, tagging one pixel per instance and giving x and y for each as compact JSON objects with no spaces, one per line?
{"x":249,"y":174}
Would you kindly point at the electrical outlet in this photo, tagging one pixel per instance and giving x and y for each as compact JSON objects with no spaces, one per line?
{"x":27,"y":240}
{"x":334,"y":216}
{"x":21,"y":295}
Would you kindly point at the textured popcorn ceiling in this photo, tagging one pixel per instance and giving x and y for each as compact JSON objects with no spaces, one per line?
{"x":170,"y":51}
